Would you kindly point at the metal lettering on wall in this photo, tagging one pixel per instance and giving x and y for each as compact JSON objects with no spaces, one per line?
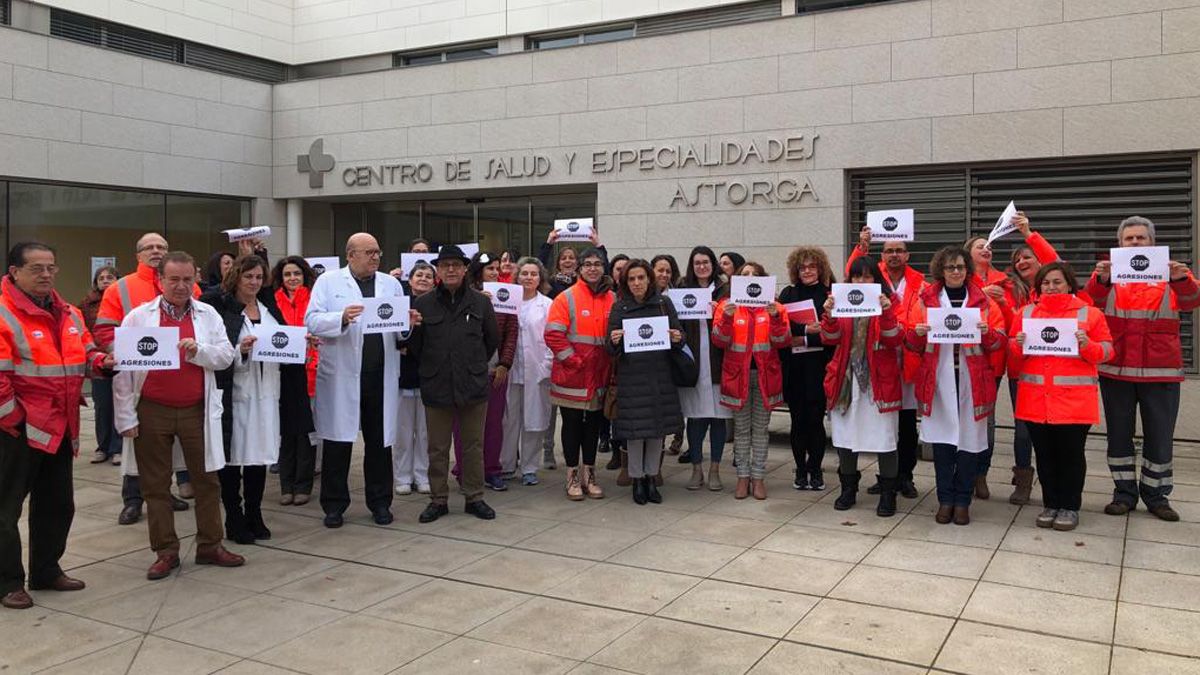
{"x":753,"y":156}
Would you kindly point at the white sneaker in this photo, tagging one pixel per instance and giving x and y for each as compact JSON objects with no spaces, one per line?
{"x":423,"y":488}
{"x":405,"y":489}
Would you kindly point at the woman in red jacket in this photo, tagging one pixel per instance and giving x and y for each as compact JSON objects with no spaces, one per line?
{"x":751,"y":379}
{"x":955,"y":384}
{"x":862,"y":388}
{"x":1059,"y":396}
{"x":292,"y":279}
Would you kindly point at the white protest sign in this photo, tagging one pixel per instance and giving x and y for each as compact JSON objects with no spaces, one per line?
{"x":854,"y":300}
{"x":752,"y":291}
{"x":240,"y":233}
{"x":802,"y":313}
{"x":279,"y":344}
{"x":1050,"y":337}
{"x":146,"y":348}
{"x":323,"y":264}
{"x":691,"y":303}
{"x":384,"y":315}
{"x":1004,"y":224}
{"x":506,"y":298}
{"x":1140,"y":264}
{"x":574,"y":229}
{"x":894,"y":225}
{"x":410,"y":260}
{"x":954,"y":325}
{"x":650,"y":334}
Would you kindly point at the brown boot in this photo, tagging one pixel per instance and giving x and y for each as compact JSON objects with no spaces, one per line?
{"x":981,"y":487}
{"x":759,"y":488}
{"x":590,"y":488}
{"x":944,"y":515}
{"x":962,"y":515}
{"x":623,"y":478}
{"x":574,"y":489}
{"x":1023,"y":479}
{"x":742,"y":489}
{"x":696,"y":482}
{"x":676,"y":445}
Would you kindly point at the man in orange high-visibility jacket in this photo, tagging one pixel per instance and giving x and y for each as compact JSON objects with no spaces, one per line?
{"x":1145,"y":372}
{"x":45,"y":353}
{"x":120,"y":299}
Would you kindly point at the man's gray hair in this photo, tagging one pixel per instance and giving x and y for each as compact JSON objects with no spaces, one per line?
{"x":1136,"y":221}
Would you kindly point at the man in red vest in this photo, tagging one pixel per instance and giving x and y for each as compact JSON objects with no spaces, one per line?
{"x":45,"y":353}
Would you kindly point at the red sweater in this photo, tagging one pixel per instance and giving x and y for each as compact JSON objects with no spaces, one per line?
{"x":181,"y":388}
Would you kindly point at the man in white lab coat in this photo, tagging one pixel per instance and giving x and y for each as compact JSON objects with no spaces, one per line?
{"x":357,"y":381}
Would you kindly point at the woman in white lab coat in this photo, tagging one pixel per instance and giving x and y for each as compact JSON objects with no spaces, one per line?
{"x":250,"y":425}
{"x":528,"y":414}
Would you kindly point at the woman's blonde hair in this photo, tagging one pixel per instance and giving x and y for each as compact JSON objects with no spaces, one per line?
{"x":815,"y":254}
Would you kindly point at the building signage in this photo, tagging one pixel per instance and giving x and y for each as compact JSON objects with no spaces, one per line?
{"x":769,"y":155}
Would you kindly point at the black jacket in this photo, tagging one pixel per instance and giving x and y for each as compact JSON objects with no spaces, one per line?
{"x":452,"y":346}
{"x":691,"y":335}
{"x":647,"y":400}
{"x":804,"y":374}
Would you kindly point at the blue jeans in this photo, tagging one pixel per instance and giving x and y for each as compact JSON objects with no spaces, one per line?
{"x":108,"y":440}
{"x":697,"y":427}
{"x":955,"y":471}
{"x":1022,"y":443}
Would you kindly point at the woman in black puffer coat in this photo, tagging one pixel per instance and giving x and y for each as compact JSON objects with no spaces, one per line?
{"x":648,"y":407}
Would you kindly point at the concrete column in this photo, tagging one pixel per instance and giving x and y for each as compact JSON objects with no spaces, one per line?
{"x":295,"y":227}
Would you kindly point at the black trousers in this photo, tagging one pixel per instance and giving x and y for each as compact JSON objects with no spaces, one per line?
{"x":46,"y":479}
{"x":907,"y":445}
{"x":808,"y":435}
{"x":242,"y":489}
{"x":377,"y":455}
{"x":1158,"y":403}
{"x":580,"y":433}
{"x":1061,"y":465}
{"x":297,"y":463}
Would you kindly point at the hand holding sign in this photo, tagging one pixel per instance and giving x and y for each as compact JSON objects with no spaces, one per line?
{"x":279,"y":344}
{"x":1050,"y":337}
{"x":1140,"y":264}
{"x":149,"y":347}
{"x":1004,"y":224}
{"x":691,"y":303}
{"x":506,"y":298}
{"x":648,"y":334}
{"x":855,"y":300}
{"x":954,"y":325}
{"x":385,"y":315}
{"x":894,"y":225}
{"x":240,"y":233}
{"x":574,"y":229}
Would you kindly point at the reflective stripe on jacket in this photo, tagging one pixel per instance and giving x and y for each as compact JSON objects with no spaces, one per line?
{"x":977,"y":358}
{"x":122,"y":297}
{"x":44,"y":357}
{"x":884,"y":340}
{"x":751,"y":333}
{"x":1060,"y":389}
{"x":575,"y":334}
{"x":1144,"y":321}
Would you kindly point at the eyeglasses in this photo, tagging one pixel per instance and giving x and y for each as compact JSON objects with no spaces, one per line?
{"x":373,"y":253}
{"x":894,"y":251}
{"x":152,"y":247}
{"x":39,"y":270}
{"x":809,"y":267}
{"x":955,"y":268}
{"x":593,"y":263}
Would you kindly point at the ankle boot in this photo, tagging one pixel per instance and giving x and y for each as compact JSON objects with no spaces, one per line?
{"x":639,"y":491}
{"x":236,"y":529}
{"x":758,"y":488}
{"x":981,"y":487}
{"x":1023,"y":479}
{"x":697,"y":480}
{"x":714,"y":478}
{"x":652,"y":494}
{"x":887,"y":497}
{"x":254,"y":523}
{"x":614,"y":462}
{"x":588,"y":481}
{"x":574,"y":488}
{"x":849,"y":495}
{"x":623,"y":477}
{"x":742,"y":489}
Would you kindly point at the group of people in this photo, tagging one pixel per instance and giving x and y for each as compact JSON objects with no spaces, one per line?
{"x":495,"y":385}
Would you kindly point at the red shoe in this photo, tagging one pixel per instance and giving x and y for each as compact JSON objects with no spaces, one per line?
{"x":167,"y":561}
{"x":18,"y":599}
{"x":220,"y":557}
{"x":62,"y":583}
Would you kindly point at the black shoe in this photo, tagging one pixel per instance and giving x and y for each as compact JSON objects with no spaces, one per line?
{"x":800,"y":482}
{"x":639,"y":491}
{"x":382,"y":516}
{"x":614,"y":462}
{"x":433,"y":512}
{"x":875,"y":489}
{"x":887,"y":498}
{"x":480,"y":510}
{"x":258,"y":529}
{"x":129,"y":515}
{"x":816,"y":480}
{"x":333,"y":520}
{"x":274,"y":469}
{"x":237,"y":532}
{"x":1119,"y":508}
{"x":178,"y":504}
{"x":849,"y":495}
{"x":907,"y":489}
{"x":1164,"y":512}
{"x":652,"y":494}
{"x":684,"y":457}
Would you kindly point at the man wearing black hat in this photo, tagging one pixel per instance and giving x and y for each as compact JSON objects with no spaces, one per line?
{"x":452,"y":344}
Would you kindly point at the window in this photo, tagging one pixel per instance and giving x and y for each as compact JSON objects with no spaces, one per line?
{"x":460,"y":53}
{"x":807,"y":6}
{"x":584,"y":37}
{"x":1076,"y":204}
{"x":5,"y":12}
{"x":196,"y":224}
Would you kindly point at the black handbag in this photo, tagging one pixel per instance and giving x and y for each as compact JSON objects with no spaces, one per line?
{"x":685,"y":372}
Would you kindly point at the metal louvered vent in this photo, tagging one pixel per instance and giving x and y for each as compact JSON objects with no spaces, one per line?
{"x":709,"y":18}
{"x":113,"y":36}
{"x":5,"y":12}
{"x":1075,"y":203}
{"x":232,"y":63}
{"x":809,"y":6}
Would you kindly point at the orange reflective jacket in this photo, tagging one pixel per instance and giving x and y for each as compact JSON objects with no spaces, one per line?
{"x":44,"y":357}
{"x":750,"y":334}
{"x":575,"y":329}
{"x":1144,"y":321}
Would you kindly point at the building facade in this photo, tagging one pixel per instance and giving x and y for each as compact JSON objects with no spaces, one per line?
{"x":744,"y":126}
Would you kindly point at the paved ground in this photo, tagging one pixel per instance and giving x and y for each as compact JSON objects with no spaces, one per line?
{"x":700,"y":584}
